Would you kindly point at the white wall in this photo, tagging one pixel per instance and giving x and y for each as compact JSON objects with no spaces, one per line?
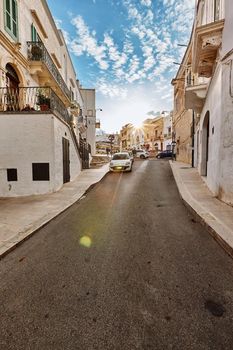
{"x":213,"y":104}
{"x":33,"y":138}
{"x":226,"y":145}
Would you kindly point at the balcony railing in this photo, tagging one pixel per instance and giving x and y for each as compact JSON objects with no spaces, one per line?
{"x":192,"y":79}
{"x":38,"y":52}
{"x":32,"y":99}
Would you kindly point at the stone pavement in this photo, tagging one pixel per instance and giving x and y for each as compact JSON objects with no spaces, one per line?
{"x":214,"y":214}
{"x":21,"y":217}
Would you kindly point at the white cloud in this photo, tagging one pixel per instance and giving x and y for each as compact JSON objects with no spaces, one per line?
{"x":111,"y":90}
{"x":146,"y":2}
{"x":87,"y":43}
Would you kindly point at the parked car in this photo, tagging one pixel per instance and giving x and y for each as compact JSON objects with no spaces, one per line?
{"x":121,"y":162}
{"x":164,"y":154}
{"x":140,"y":153}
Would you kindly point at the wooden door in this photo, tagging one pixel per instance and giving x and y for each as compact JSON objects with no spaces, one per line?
{"x":66,"y":159}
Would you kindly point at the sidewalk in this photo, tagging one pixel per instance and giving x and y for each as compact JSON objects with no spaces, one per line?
{"x":214,"y":214}
{"x":21,"y":217}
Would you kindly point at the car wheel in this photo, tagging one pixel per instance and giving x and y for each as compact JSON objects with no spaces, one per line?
{"x":142,"y":157}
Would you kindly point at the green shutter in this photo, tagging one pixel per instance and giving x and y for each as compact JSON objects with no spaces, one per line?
{"x":11,"y":17}
{"x":34,"y":33}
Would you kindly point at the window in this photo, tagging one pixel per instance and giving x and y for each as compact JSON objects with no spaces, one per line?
{"x":11,"y":18}
{"x":40,"y":171}
{"x":12,"y":175}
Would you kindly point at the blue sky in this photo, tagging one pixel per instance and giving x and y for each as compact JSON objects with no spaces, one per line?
{"x":126,"y":49}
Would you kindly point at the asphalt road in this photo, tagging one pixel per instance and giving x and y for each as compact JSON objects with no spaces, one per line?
{"x":125,"y":268}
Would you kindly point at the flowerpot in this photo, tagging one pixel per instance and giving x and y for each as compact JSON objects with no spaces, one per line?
{"x":44,"y":107}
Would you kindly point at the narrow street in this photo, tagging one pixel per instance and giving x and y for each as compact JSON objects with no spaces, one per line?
{"x":125,"y":268}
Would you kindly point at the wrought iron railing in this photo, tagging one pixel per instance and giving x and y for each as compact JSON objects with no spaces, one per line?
{"x":38,"y":52}
{"x":32,"y":99}
{"x":192,"y":79}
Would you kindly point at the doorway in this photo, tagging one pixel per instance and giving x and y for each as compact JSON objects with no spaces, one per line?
{"x":66,"y":159}
{"x":12,"y":85}
{"x":205,"y":144}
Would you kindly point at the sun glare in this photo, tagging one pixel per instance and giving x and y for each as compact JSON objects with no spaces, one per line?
{"x":85,"y":241}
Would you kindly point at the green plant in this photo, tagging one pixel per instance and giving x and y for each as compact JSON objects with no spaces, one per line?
{"x":43,"y":99}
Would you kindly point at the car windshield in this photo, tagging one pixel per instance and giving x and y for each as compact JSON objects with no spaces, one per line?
{"x":120,"y":156}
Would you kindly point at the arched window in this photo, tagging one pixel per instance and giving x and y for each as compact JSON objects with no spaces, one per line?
{"x":11,"y":18}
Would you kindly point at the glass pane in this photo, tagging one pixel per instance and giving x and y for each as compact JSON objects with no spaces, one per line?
{"x":14,"y":28}
{"x":216,"y":10}
{"x":8,"y":5}
{"x":14,"y":9}
{"x":8,"y":21}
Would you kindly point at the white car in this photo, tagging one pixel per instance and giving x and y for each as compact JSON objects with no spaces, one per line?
{"x":121,"y":162}
{"x":142,"y":154}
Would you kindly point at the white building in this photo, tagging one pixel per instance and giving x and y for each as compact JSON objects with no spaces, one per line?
{"x":209,"y":92}
{"x":40,"y":102}
{"x":89,"y":115}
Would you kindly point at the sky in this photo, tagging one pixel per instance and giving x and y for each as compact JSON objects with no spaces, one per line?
{"x":125,"y":49}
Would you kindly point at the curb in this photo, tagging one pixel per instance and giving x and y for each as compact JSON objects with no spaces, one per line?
{"x":217,"y":237}
{"x":46,"y":222}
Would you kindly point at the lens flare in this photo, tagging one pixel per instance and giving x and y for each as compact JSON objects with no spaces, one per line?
{"x":85,"y":241}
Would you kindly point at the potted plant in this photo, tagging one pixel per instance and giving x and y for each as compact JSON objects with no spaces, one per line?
{"x":43,"y":101}
{"x":36,"y":52}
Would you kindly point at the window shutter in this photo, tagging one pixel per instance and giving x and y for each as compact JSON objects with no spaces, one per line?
{"x":11,"y":17}
{"x":34,"y":33}
{"x":14,"y":15}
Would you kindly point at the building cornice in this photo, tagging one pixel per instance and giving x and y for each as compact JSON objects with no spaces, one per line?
{"x":50,"y":17}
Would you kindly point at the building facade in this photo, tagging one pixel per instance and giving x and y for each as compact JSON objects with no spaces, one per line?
{"x":208,"y":93}
{"x":182,"y":120}
{"x":155,"y":134}
{"x":126,"y":137}
{"x":40,"y":102}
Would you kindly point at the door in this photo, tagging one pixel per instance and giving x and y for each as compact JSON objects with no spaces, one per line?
{"x":12,"y":84}
{"x":205,"y":144}
{"x":66,"y":159}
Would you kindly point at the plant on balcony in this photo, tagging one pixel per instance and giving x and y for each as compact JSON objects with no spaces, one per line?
{"x":43,"y":101}
{"x":36,"y":52}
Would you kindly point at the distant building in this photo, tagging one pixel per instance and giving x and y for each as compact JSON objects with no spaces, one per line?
{"x":155,"y":134}
{"x":126,"y":137}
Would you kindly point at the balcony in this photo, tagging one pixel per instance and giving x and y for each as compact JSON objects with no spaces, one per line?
{"x":32,"y":100}
{"x":207,"y":40}
{"x":44,"y":67}
{"x":75,"y":109}
{"x":195,"y":91}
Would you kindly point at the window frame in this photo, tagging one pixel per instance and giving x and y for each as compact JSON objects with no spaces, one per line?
{"x":13,"y":21}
